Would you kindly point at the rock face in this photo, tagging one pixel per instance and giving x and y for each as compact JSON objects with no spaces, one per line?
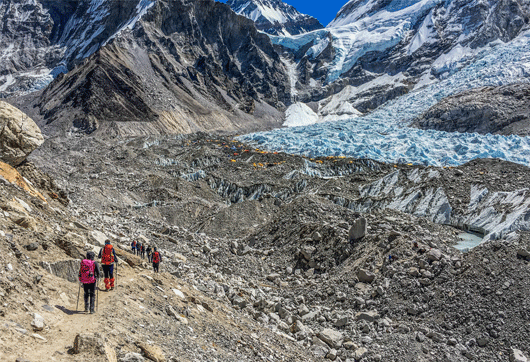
{"x":171,"y":67}
{"x":19,"y":135}
{"x":378,"y":50}
{"x":497,"y":110}
{"x":275,"y":17}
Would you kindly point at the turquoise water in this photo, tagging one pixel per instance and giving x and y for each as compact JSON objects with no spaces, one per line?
{"x":468,"y":241}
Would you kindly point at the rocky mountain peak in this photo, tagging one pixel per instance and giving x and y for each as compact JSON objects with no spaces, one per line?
{"x":275,"y":17}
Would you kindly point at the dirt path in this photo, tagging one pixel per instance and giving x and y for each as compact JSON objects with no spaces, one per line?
{"x":64,"y":323}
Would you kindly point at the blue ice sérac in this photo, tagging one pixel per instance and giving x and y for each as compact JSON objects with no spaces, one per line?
{"x":384,"y":135}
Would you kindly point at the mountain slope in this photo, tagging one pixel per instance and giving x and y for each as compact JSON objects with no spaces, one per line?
{"x":41,"y":39}
{"x":275,"y":17}
{"x":388,"y":48}
{"x":179,"y":69}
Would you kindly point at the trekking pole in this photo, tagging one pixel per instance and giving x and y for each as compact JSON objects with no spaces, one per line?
{"x":97,"y":294}
{"x":78,"y":291}
{"x":116,"y":281}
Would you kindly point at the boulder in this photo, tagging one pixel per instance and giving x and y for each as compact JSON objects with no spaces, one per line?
{"x":333,"y":338}
{"x":434,"y":255}
{"x":66,"y":269}
{"x":365,"y":276}
{"x":98,"y":238}
{"x":153,"y":353}
{"x":358,"y":229}
{"x":370,"y":316}
{"x":132,"y":357}
{"x":92,"y":343}
{"x":19,"y":135}
{"x":517,"y":356}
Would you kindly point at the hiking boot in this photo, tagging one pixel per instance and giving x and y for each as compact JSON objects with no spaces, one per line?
{"x":111,"y":288}
{"x":92,"y":311}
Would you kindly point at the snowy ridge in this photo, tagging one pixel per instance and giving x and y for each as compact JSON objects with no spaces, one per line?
{"x":274,"y":16}
{"x":383,"y":135}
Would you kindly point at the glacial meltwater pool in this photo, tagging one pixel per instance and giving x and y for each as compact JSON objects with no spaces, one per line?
{"x":468,"y":241}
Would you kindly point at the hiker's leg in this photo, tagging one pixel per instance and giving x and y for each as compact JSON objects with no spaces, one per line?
{"x":111,"y":273}
{"x":86,"y":296}
{"x":92,"y":293}
{"x":107,"y":276}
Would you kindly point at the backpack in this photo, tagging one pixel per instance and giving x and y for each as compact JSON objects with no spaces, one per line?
{"x":106,"y":256}
{"x":133,"y":244}
{"x":86,"y":272}
{"x":156,"y":257}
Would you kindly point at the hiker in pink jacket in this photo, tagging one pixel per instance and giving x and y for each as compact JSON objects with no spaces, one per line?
{"x":88,"y":276}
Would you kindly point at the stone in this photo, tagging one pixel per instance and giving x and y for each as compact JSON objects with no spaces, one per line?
{"x":370,"y":316}
{"x":341,"y":322}
{"x":303,"y":310}
{"x":26,"y":222}
{"x":310,"y":316}
{"x":151,"y":352}
{"x":434,"y":255}
{"x":522,"y":253}
{"x":20,"y":135}
{"x":365,"y":276}
{"x":360,"y":353}
{"x":179,"y":294}
{"x":66,"y":269}
{"x":273,"y":277}
{"x":32,"y":247}
{"x":350,"y":345}
{"x":332,"y":337}
{"x":517,"y":356}
{"x":297,"y":327}
{"x":98,"y":238}
{"x":92,"y":343}
{"x":482,"y":341}
{"x":307,"y":251}
{"x":358,"y":229}
{"x":332,"y":354}
{"x":39,"y":337}
{"x":132,"y":357}
{"x":38,"y":322}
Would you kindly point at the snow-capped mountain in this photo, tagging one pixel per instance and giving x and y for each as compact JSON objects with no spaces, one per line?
{"x":40,"y":39}
{"x":275,"y":17}
{"x":377,"y":50}
{"x":140,"y":67}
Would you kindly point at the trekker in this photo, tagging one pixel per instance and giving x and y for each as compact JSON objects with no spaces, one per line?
{"x":138,"y":248}
{"x":107,"y":254}
{"x":149,"y":253}
{"x":157,"y":258}
{"x":143,"y":251}
{"x":88,"y":276}
{"x":133,"y":247}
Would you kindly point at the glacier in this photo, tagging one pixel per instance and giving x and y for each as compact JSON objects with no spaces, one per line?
{"x":384,"y":135}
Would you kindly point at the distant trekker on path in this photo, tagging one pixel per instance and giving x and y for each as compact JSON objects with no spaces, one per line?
{"x":88,"y":276}
{"x":143,"y":251}
{"x":133,"y":247}
{"x":108,"y":256}
{"x":149,"y":259}
{"x":138,"y":248}
{"x":157,"y":258}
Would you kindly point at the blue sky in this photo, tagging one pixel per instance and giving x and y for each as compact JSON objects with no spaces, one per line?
{"x":323,"y":10}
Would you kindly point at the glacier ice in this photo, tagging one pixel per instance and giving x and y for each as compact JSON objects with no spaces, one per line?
{"x":384,"y":135}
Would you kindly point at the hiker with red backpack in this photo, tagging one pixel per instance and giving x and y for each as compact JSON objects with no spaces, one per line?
{"x":88,"y":276}
{"x":133,"y":247}
{"x":157,"y":258}
{"x":108,"y":257}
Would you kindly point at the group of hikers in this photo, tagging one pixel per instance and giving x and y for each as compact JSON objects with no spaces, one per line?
{"x":89,"y":272}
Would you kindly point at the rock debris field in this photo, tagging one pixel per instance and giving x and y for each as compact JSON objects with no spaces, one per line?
{"x":265,"y":256}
